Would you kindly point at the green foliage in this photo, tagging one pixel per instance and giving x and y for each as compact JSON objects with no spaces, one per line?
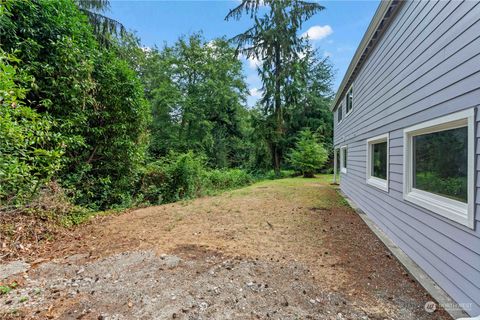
{"x":185,"y":176}
{"x":5,"y":290}
{"x":308,"y":156}
{"x":274,"y":40}
{"x":83,"y":109}
{"x":117,"y":132}
{"x":223,"y":179}
{"x":174,"y":177}
{"x":453,"y":187}
{"x":197,"y":92}
{"x":92,"y":96}
{"x":105,"y":28}
{"x":30,"y":152}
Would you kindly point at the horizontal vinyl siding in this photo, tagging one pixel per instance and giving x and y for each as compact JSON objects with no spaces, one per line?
{"x":426,"y":65}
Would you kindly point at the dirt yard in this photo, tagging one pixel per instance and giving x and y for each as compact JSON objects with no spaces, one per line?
{"x":285,"y":249}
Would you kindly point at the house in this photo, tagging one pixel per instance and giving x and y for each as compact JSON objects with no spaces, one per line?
{"x":406,"y":137}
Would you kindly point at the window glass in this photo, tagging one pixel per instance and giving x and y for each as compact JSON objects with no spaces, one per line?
{"x":339,"y":113}
{"x":440,"y":163}
{"x":344,"y":157}
{"x":349,"y":99}
{"x":379,"y":160}
{"x":337,"y":152}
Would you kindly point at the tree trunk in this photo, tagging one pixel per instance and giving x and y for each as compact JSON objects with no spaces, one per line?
{"x":308,"y":175}
{"x":278,"y":112}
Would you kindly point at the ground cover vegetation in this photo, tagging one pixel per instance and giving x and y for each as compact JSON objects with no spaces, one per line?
{"x":90,"y":120}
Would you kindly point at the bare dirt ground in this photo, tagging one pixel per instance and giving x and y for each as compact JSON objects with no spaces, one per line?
{"x":284,"y":249}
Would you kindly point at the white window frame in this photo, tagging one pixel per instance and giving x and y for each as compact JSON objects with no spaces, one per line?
{"x":455,"y":210}
{"x":371,"y":180}
{"x":343,"y":168}
{"x":346,"y":101}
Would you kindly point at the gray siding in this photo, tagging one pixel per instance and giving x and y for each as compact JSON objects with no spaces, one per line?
{"x":426,"y":65}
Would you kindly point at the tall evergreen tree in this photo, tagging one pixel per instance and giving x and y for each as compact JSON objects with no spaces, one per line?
{"x":274,"y":40}
{"x":103,"y":26}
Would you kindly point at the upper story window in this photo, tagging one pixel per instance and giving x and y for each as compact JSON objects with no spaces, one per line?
{"x":439,"y":166}
{"x":339,"y":113}
{"x":349,"y":100}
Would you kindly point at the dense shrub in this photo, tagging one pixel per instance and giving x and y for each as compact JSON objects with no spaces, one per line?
{"x":174,"y":177}
{"x":91,"y":96}
{"x":30,"y":153}
{"x":185,"y":176}
{"x":308,"y":156}
{"x":221,"y":179}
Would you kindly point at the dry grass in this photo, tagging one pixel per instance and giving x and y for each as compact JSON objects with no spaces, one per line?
{"x":285,"y":222}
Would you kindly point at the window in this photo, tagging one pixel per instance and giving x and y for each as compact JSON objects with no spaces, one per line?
{"x":339,"y":113}
{"x":343,"y":159}
{"x":439,"y":166}
{"x":377,"y":162}
{"x":349,"y":100}
{"x":336,"y":177}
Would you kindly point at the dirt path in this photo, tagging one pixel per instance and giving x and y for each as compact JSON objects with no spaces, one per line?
{"x":285,"y":249}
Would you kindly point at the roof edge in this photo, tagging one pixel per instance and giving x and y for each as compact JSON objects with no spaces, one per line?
{"x":385,"y":13}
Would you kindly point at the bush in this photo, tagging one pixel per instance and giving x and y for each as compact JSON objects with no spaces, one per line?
{"x":175,"y":177}
{"x":308,"y":156}
{"x":30,"y":153}
{"x":89,"y":95}
{"x":184,"y":176}
{"x":227,"y":179}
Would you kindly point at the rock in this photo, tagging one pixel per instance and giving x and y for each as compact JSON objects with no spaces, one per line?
{"x":12,"y":268}
{"x":171,"y":261}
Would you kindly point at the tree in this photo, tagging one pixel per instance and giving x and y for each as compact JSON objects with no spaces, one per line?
{"x":308,"y":155}
{"x":275,"y":41}
{"x":103,"y":26}
{"x":197,"y":92}
{"x":91,"y":94}
{"x":314,"y":94}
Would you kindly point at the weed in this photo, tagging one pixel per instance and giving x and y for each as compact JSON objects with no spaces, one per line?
{"x":5,"y":290}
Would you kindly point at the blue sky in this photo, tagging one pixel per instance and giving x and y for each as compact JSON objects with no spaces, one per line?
{"x":336,"y":31}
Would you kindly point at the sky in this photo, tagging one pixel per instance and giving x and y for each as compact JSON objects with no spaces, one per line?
{"x":335,"y":31}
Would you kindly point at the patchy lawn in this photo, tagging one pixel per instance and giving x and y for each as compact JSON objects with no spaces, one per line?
{"x":283,"y":249}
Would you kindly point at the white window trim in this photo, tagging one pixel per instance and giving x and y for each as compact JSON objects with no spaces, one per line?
{"x":457,"y":211}
{"x":343,"y":168}
{"x":346,"y":96}
{"x":381,"y":184}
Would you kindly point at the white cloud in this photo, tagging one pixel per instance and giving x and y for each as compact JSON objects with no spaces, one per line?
{"x":254,"y":63}
{"x":255,"y":92}
{"x":327,"y":54}
{"x":318,"y":32}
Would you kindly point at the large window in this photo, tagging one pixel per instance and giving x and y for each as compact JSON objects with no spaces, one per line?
{"x":439,"y":166}
{"x":340,"y":113}
{"x":349,"y":101}
{"x":343,"y":159}
{"x":377,"y":162}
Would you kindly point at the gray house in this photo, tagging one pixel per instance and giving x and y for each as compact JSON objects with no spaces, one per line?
{"x":407,"y":137}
